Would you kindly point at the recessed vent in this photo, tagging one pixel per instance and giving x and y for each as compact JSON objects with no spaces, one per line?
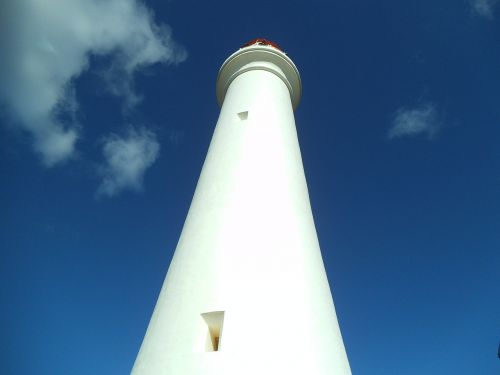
{"x":243,"y":115}
{"x":214,"y":321}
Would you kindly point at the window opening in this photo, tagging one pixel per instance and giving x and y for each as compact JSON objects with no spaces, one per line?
{"x":214,"y":321}
{"x":243,"y":115}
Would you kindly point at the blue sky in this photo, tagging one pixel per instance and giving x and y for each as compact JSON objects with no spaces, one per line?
{"x":106,"y":113}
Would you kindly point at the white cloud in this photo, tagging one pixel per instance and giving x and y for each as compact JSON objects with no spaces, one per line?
{"x":484,"y":8}
{"x":47,"y":44}
{"x":414,"y":121}
{"x":126,"y":160}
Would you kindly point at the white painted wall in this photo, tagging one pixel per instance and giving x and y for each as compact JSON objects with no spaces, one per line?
{"x":249,"y":246}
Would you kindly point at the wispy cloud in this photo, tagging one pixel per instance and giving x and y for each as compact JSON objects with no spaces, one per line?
{"x":126,"y":160}
{"x":423,"y":119}
{"x":47,"y":44}
{"x":484,"y":8}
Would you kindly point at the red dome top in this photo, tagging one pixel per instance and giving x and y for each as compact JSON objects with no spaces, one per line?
{"x":262,"y":42}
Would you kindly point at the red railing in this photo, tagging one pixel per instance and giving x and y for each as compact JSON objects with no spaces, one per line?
{"x":262,"y":42}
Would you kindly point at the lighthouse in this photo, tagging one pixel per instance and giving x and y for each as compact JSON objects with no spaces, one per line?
{"x":246,"y":291}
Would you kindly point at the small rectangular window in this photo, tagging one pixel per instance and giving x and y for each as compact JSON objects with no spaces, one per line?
{"x":214,"y":321}
{"x":243,"y":115}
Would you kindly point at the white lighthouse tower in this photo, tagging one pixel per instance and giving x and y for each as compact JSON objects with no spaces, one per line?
{"x":246,"y":291}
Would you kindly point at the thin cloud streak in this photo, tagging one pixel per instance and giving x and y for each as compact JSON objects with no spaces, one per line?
{"x":126,"y":160}
{"x":484,"y":8}
{"x":409,"y":122}
{"x":48,"y":44}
